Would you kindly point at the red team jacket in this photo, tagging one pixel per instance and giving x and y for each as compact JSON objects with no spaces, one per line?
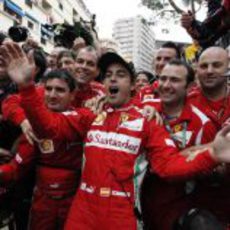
{"x":165,"y":201}
{"x":217,"y":111}
{"x":13,"y":111}
{"x":114,"y":145}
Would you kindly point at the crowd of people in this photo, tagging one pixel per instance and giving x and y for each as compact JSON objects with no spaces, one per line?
{"x":87,"y":143}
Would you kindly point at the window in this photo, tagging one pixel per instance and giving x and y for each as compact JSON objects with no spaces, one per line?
{"x":43,"y":41}
{"x":30,"y":25}
{"x":60,"y":6}
{"x":13,"y":10}
{"x":75,"y":13}
{"x":29,"y":3}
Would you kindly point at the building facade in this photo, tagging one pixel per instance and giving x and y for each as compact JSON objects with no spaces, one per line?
{"x":136,"y":41}
{"x":109,"y":45}
{"x":38,"y":15}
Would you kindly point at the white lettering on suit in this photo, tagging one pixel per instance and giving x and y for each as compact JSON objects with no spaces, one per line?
{"x":135,"y":125}
{"x":113,"y":141}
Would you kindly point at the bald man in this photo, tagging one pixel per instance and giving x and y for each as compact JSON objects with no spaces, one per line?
{"x":212,"y":98}
{"x":212,"y":192}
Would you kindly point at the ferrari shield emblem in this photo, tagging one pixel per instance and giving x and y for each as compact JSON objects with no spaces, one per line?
{"x":46,"y":146}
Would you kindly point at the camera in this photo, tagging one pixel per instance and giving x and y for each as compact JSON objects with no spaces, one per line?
{"x":18,"y":33}
{"x":64,"y":35}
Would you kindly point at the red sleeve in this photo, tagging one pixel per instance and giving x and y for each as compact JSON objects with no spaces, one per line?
{"x":167,"y":161}
{"x":209,"y":132}
{"x":70,"y":125}
{"x":20,"y":164}
{"x":226,"y":4}
{"x":12,"y":110}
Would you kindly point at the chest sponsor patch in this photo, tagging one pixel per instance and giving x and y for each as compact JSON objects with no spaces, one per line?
{"x":134,"y":125}
{"x":150,"y":98}
{"x":170,"y":142}
{"x":113,"y":141}
{"x":99,"y":120}
{"x":182,"y":136}
{"x":46,"y":146}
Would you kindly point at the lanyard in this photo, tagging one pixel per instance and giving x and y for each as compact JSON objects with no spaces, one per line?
{"x":180,"y":142}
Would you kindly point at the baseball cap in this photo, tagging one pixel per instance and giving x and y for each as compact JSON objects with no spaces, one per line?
{"x":110,"y":58}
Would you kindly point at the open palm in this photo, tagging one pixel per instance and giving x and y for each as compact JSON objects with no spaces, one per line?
{"x":20,"y":68}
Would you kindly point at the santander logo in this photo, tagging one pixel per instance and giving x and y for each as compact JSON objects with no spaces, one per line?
{"x":113,"y":141}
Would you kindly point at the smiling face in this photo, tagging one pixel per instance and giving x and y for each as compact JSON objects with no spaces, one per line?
{"x":118,"y":85}
{"x":212,"y":65}
{"x":141,"y":81}
{"x":57,"y":95}
{"x":163,"y":56}
{"x":67,"y":63}
{"x":172,"y":84}
{"x":86,"y":68}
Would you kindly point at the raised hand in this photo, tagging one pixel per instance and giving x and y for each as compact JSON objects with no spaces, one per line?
{"x":151,"y":113}
{"x":187,"y":19}
{"x":221,"y":145}
{"x":28,"y":132}
{"x":20,"y":68}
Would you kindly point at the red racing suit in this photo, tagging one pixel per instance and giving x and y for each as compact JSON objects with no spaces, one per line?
{"x":13,"y":111}
{"x":94,"y":89}
{"x":58,"y":170}
{"x":212,"y":193}
{"x":218,"y":111}
{"x":118,"y":146}
{"x":148,"y":92}
{"x":164,"y":201}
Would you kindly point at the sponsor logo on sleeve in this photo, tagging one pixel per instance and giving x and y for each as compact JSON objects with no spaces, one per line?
{"x":70,"y":113}
{"x":46,"y":146}
{"x":18,"y":158}
{"x":179,"y":136}
{"x":194,"y":153}
{"x":170,"y":142}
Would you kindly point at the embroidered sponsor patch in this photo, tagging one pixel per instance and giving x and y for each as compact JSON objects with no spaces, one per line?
{"x":177,"y":128}
{"x":105,"y":192}
{"x":150,"y":98}
{"x":113,"y":141}
{"x":124,"y":117}
{"x":100,"y":119}
{"x":170,"y":142}
{"x":46,"y":146}
{"x":179,"y":136}
{"x":18,"y":158}
{"x":134,"y":125}
{"x":70,"y":113}
{"x":193,"y":154}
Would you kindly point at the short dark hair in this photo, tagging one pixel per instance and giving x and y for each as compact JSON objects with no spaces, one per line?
{"x":66,"y":53}
{"x":150,"y":76}
{"x":89,"y":49}
{"x":172,"y":45}
{"x":190,"y":77}
{"x":40,"y":62}
{"x":62,"y":75}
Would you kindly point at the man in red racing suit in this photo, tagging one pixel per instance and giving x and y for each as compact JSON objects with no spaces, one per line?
{"x":57,"y":161}
{"x":118,"y":145}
